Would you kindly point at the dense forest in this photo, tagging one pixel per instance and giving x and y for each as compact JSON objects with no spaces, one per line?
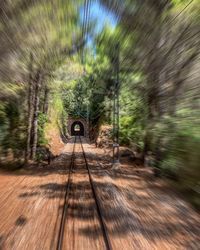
{"x":55,"y":63}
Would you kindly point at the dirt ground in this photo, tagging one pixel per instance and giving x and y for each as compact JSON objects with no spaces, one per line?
{"x":139,"y":211}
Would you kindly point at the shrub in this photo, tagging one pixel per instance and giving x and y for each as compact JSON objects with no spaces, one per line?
{"x":42,"y":120}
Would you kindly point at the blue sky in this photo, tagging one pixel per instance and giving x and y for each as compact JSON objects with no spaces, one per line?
{"x":98,"y":12}
{"x":102,"y":17}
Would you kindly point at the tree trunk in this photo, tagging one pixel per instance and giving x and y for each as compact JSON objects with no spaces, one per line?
{"x":146,"y":147}
{"x":35,"y":115}
{"x":30,"y":111}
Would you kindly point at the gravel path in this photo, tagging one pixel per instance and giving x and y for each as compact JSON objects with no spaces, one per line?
{"x":142,"y":212}
{"x":139,"y":212}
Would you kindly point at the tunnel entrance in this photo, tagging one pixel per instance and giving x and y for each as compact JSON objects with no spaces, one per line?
{"x":77,"y":129}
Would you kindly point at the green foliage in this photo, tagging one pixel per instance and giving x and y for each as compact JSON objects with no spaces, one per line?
{"x":133,"y":111}
{"x":130,"y":132}
{"x":3,"y":118}
{"x":182,"y":160}
{"x":47,"y":30}
{"x":182,"y":157}
{"x":42,"y":121}
{"x":12,"y":123}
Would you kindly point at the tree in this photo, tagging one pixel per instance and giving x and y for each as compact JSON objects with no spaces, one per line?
{"x":47,"y":31}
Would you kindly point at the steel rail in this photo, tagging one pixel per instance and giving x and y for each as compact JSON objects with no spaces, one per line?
{"x":66,"y":198}
{"x":103,"y":225}
{"x":65,"y":206}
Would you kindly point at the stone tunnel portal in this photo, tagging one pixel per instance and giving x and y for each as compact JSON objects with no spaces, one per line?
{"x":77,"y":129}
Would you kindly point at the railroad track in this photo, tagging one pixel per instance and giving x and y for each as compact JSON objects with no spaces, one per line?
{"x":64,"y":223}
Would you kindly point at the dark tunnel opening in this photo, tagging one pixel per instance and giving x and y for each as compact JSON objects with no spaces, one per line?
{"x":77,"y":129}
